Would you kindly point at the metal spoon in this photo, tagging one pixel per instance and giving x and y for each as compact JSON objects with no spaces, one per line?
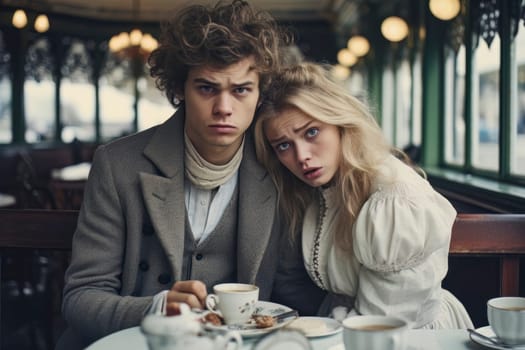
{"x":494,"y":341}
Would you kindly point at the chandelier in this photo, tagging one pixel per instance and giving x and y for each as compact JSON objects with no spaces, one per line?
{"x":135,"y":44}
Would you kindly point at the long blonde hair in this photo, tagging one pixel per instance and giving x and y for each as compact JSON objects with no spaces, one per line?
{"x":308,"y":87}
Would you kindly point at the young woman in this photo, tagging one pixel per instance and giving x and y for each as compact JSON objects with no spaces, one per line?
{"x":373,"y":229}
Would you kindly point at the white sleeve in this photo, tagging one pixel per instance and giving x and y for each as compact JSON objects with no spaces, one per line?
{"x":407,"y":293}
{"x":158,"y":306}
{"x":400,"y":226}
{"x":401,"y":237}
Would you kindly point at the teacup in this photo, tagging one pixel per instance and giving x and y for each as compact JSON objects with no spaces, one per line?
{"x":506,"y":317}
{"x":235,"y":301}
{"x":185,"y":332}
{"x":374,"y":332}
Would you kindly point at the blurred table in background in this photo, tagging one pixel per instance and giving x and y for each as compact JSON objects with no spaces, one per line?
{"x":67,"y":185}
{"x":7,"y":200}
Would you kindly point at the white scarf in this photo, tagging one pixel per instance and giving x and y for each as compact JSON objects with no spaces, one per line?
{"x":204,"y":174}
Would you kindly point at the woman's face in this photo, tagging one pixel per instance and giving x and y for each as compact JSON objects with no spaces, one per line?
{"x":310,"y":149}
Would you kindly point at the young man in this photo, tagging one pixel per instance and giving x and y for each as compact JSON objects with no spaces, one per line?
{"x":173,"y":210}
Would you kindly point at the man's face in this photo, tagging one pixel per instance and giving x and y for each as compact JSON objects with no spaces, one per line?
{"x":220,"y":105}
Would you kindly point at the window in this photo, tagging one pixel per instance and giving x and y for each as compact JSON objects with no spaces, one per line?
{"x":154,"y":107}
{"x":455,"y":69}
{"x":39,"y":93}
{"x":357,"y":82}
{"x":5,"y":94}
{"x":417,"y":96}
{"x":77,"y":94}
{"x":517,"y":149}
{"x":387,"y":104}
{"x":117,"y":95}
{"x":402,"y":97}
{"x":485,"y":105}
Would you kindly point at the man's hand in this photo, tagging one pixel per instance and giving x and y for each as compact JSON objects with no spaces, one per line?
{"x":190,"y":292}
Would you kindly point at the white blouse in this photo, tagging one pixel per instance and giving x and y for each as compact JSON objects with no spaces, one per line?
{"x":401,"y":239}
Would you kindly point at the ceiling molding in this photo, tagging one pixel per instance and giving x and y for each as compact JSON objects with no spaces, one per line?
{"x":156,"y":10}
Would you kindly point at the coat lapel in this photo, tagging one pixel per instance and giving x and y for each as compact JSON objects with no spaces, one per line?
{"x":257,"y":205}
{"x":164,"y":193}
{"x":164,"y":199}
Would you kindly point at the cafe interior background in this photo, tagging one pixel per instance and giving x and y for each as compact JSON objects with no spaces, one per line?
{"x":445,"y":79}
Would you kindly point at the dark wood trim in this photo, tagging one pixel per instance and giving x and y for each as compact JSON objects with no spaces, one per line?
{"x":488,"y":234}
{"x":37,"y":229}
{"x":496,"y":235}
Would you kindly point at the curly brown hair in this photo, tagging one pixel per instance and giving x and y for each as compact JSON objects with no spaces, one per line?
{"x":217,"y":36}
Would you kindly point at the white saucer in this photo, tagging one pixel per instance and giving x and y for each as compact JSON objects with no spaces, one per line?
{"x":331,"y":326}
{"x":261,"y":308}
{"x":487,"y":331}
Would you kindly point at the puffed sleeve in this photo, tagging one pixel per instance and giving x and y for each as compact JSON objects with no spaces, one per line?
{"x":398,"y":227}
{"x":401,"y":238}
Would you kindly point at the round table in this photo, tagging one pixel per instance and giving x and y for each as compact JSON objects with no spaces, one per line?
{"x":132,"y":339}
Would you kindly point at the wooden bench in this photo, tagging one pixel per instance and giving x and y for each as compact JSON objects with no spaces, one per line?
{"x":33,"y":233}
{"x":496,"y":235}
{"x":37,"y":229}
{"x":486,"y":251}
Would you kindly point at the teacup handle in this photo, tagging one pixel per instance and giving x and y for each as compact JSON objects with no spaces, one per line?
{"x":212,"y":301}
{"x":234,"y":337}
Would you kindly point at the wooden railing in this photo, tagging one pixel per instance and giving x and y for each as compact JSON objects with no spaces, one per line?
{"x":492,"y":235}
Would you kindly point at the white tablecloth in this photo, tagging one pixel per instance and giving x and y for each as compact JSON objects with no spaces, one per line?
{"x":6,"y":200}
{"x":76,"y":172}
{"x":132,"y":339}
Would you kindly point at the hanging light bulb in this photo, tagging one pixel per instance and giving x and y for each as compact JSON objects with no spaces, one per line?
{"x":444,"y":9}
{"x":148,"y":43}
{"x":135,"y":36}
{"x":394,"y":29}
{"x":346,"y":58}
{"x":19,"y":19}
{"x":340,"y":72}
{"x":359,"y":45}
{"x":41,"y":23}
{"x":134,"y":44}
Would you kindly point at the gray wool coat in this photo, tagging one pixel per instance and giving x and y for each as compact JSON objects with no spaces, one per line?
{"x":134,"y":211}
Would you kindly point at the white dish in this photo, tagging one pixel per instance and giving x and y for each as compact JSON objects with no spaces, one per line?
{"x":487,"y":331}
{"x":283,"y":340}
{"x":330,"y":326}
{"x":261,"y":308}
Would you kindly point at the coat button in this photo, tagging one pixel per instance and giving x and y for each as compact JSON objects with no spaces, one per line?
{"x":164,"y":278}
{"x":199,"y":256}
{"x":147,"y":229}
{"x":144,"y":266}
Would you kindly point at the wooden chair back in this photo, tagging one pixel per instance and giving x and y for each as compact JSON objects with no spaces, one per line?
{"x":37,"y":229}
{"x":493,"y":235}
{"x":34,"y":231}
